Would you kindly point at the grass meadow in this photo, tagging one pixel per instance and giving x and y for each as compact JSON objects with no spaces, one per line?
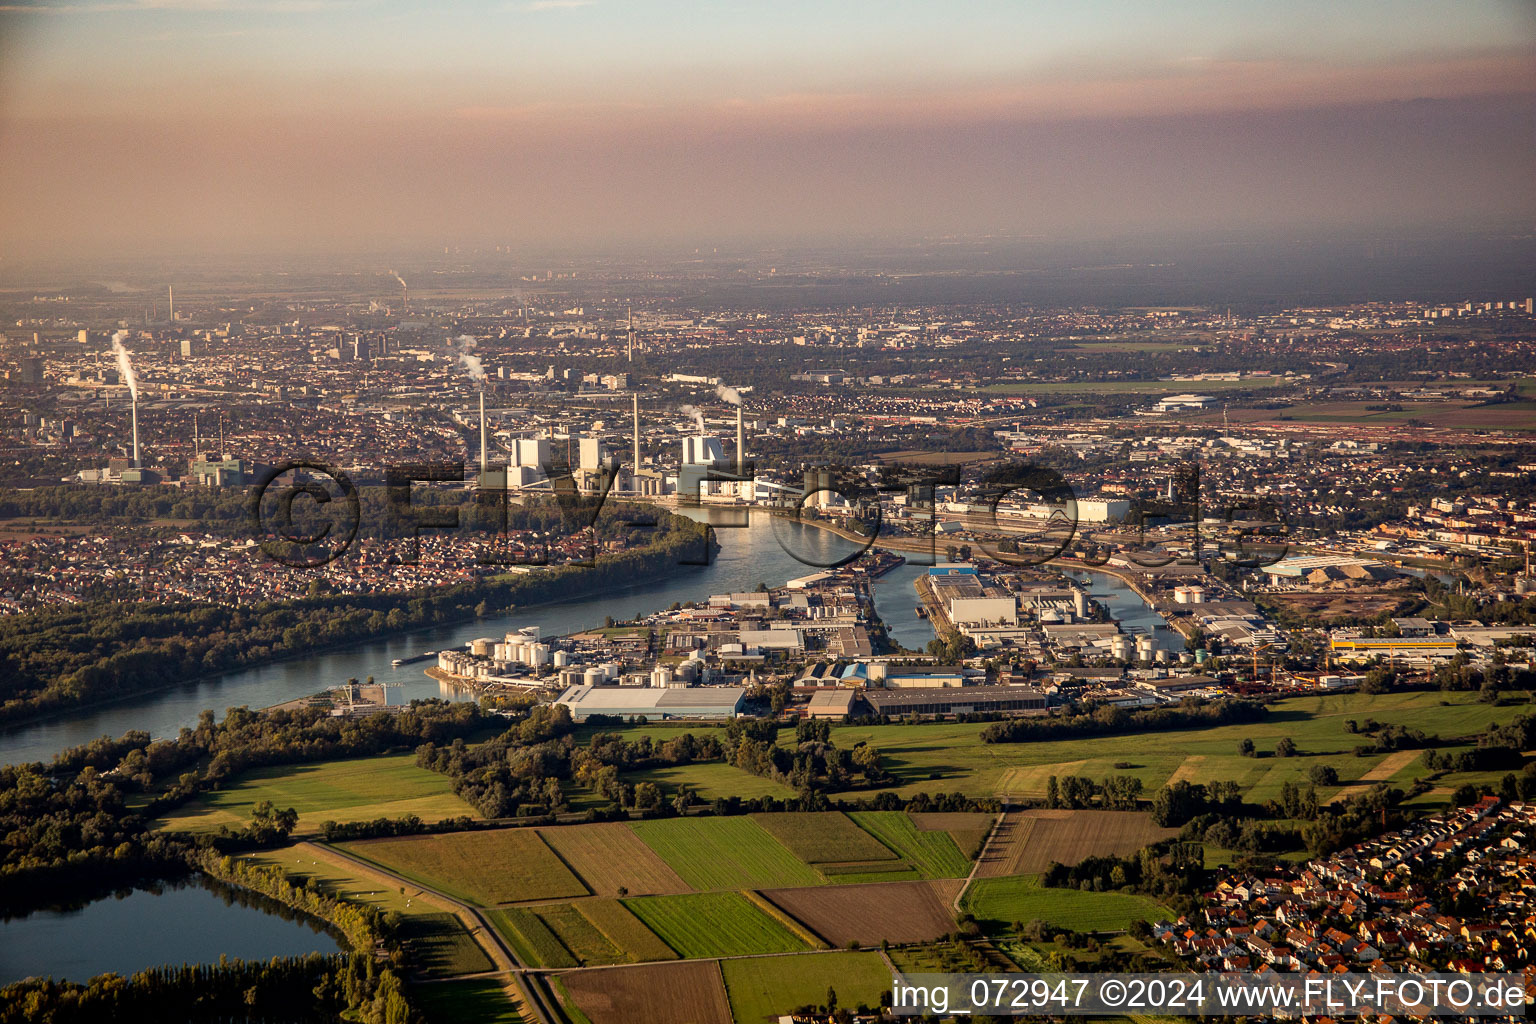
{"x":358,"y":789}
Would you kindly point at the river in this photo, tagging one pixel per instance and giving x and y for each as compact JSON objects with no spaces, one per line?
{"x":753,"y":550}
{"x":191,"y":922}
{"x":1128,"y":608}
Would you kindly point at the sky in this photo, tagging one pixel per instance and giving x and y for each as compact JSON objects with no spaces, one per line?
{"x":200,"y":125}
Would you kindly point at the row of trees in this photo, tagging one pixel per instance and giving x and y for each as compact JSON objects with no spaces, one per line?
{"x":283,"y":990}
{"x":1116,"y":793}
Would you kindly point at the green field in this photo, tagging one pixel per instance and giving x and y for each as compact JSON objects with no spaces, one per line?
{"x":482,"y":1001}
{"x":359,"y":789}
{"x":761,"y":990}
{"x":579,"y":935}
{"x":712,"y":779}
{"x":999,"y":902}
{"x":828,"y":838}
{"x":724,"y":853}
{"x":625,"y":930}
{"x":954,"y":752}
{"x":942,"y":757}
{"x":708,"y":924}
{"x":530,"y":938}
{"x":858,"y":872}
{"x":933,"y":854}
{"x":508,"y":865}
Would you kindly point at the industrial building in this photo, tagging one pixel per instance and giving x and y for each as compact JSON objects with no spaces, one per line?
{"x":942,"y":702}
{"x":654,"y":702}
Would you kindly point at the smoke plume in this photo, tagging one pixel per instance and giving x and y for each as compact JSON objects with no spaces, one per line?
{"x":726,"y":394}
{"x":124,"y":366}
{"x":471,"y":362}
{"x":698,"y":417}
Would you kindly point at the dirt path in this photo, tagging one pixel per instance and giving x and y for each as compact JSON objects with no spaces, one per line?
{"x":1389,"y":766}
{"x":525,"y":993}
{"x":981,"y":855}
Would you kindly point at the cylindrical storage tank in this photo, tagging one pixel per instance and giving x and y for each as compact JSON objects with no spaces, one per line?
{"x":561,"y":659}
{"x":1523,"y":585}
{"x":529,"y":634}
{"x":1185,"y":658}
{"x":661,"y":676}
{"x":1122,"y":647}
{"x":1080,"y":603}
{"x":538,"y":654}
{"x":482,"y":647}
{"x":1146,"y":647}
{"x":593,"y":677}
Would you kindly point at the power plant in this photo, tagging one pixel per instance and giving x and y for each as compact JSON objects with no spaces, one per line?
{"x":125,"y":367}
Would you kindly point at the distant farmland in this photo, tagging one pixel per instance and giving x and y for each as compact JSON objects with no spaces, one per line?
{"x":1030,"y":840}
{"x":724,"y":853}
{"x":823,"y":838}
{"x":760,"y":990}
{"x":895,"y":911}
{"x":651,"y":994}
{"x":933,"y":854}
{"x":713,"y":924}
{"x":610,"y":855}
{"x":499,"y":866}
{"x":998,"y":903}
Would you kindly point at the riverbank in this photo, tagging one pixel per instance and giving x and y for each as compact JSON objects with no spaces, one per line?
{"x":258,"y":638}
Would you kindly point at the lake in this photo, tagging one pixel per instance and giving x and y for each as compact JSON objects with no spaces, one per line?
{"x":191,"y":922}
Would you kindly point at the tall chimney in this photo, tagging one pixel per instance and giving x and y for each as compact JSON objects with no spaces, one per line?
{"x":741,"y":444}
{"x":170,"y":296}
{"x":482,"y":433}
{"x":134,"y":402}
{"x":635,"y":473}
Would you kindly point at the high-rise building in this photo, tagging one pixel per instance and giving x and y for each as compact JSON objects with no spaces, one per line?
{"x":699,"y":451}
{"x":590,"y":453}
{"x":533,"y":452}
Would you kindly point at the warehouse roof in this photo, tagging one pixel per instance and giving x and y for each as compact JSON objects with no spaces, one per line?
{"x":677,"y":699}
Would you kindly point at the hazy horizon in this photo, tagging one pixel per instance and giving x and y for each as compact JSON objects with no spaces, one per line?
{"x":166,"y":126}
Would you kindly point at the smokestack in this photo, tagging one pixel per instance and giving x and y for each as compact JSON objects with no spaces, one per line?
{"x":630,"y":333}
{"x":741,"y":444}
{"x":482,"y":434}
{"x":635,"y":474}
{"x":170,"y":297}
{"x":134,"y":402}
